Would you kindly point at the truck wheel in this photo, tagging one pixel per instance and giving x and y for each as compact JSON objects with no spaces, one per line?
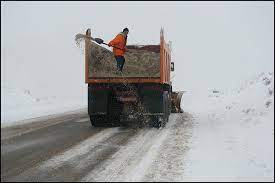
{"x":159,"y":121}
{"x":97,"y":121}
{"x":103,"y":121}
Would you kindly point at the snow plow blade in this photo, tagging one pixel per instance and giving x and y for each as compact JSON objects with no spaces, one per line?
{"x":176,"y":101}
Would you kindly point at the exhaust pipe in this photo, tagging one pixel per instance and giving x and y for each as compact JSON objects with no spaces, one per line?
{"x":176,"y":101}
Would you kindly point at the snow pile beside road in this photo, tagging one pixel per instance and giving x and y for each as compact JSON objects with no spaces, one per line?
{"x":255,"y":97}
{"x":19,"y":104}
{"x":233,"y":135}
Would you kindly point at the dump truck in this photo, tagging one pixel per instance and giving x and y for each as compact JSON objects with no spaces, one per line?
{"x":142,"y":94}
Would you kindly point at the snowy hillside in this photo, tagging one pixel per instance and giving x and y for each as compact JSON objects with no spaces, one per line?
{"x":233,"y":134}
{"x":19,"y":104}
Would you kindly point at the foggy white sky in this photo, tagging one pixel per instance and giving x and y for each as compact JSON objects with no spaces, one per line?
{"x":215,"y":44}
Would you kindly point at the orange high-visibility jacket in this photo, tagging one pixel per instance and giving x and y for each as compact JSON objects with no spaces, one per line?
{"x":120,"y":42}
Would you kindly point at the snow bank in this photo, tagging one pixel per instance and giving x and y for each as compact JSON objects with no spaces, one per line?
{"x":19,"y":105}
{"x":233,"y":135}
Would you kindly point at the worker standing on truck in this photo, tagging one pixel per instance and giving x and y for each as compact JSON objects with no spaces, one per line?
{"x":120,"y":43}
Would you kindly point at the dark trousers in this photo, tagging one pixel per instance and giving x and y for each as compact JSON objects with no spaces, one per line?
{"x":120,"y":62}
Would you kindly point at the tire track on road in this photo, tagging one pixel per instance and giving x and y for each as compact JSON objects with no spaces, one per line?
{"x":23,"y":152}
{"x":168,"y":164}
{"x":126,"y":162}
{"x":77,"y":161}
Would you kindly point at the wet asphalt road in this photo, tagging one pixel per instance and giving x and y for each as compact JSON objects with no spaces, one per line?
{"x":24,"y":147}
{"x":68,"y":148}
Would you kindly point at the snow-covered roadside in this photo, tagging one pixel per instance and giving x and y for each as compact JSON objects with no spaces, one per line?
{"x":233,"y":133}
{"x":18,"y":105}
{"x":229,"y":136}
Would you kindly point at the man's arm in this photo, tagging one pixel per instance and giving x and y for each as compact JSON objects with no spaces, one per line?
{"x":114,"y":42}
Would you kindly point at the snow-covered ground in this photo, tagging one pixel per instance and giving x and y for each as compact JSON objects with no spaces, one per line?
{"x":19,"y":104}
{"x":222,"y":136}
{"x":233,"y":132}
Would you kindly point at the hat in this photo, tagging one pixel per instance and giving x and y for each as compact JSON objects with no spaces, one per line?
{"x":125,"y":29}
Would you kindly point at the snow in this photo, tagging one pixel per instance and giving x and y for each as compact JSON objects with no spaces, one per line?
{"x":222,"y":136}
{"x":230,"y":136}
{"x":131,"y":162}
{"x":226,"y":136}
{"x":233,"y":132}
{"x":19,"y":104}
{"x":78,"y":150}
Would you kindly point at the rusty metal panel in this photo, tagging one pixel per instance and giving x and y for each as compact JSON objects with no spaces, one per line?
{"x":123,"y":80}
{"x":87,"y":47}
{"x":164,"y":59}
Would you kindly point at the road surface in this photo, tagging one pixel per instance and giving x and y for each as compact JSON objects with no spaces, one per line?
{"x":68,"y":148}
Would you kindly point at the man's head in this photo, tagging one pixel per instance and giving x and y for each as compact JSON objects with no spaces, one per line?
{"x":126,"y":31}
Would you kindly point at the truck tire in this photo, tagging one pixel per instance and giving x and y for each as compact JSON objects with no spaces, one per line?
{"x":159,"y":121}
{"x":97,"y":121}
{"x":103,"y":121}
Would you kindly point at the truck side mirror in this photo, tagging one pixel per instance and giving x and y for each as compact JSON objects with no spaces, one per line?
{"x":172,"y":66}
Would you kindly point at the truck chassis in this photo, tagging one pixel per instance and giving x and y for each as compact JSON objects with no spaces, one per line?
{"x":111,"y":104}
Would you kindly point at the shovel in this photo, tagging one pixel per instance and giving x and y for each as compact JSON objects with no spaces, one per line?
{"x":98,"y":40}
